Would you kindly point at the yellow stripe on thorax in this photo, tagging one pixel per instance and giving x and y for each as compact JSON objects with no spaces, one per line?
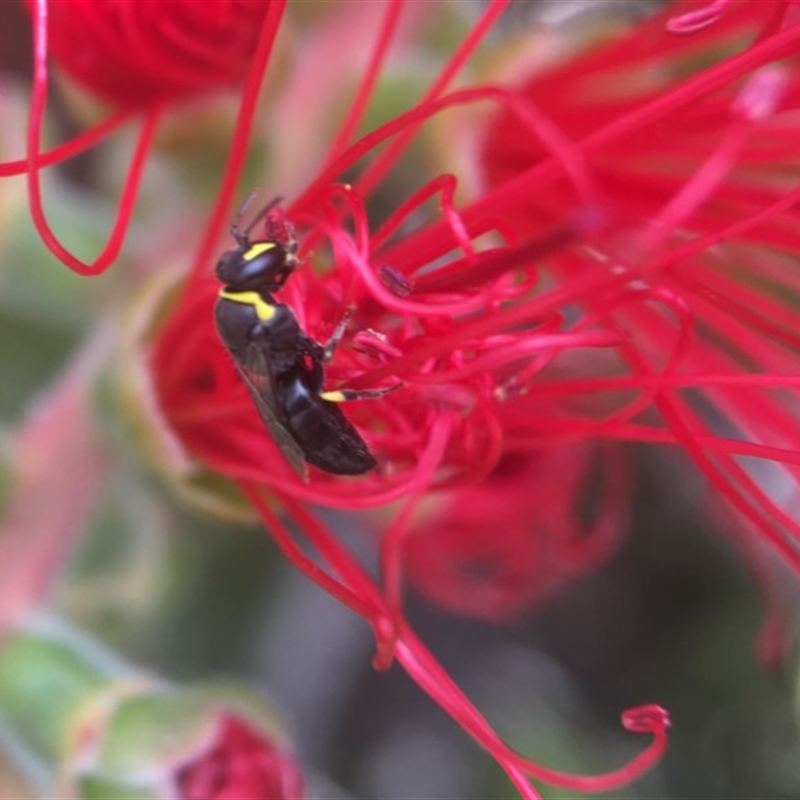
{"x":257,"y":249}
{"x":264,"y":310}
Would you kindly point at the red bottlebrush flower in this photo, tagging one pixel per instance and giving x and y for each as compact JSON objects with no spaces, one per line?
{"x":239,"y":764}
{"x":497,"y":549}
{"x":446,"y":424}
{"x":687,"y":147}
{"x":624,"y":271}
{"x":134,"y":53}
{"x":450,"y":310}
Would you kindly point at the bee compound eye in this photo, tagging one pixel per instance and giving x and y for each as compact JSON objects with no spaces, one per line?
{"x":229,"y":266}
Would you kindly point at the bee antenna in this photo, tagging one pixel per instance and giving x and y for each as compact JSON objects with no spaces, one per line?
{"x":262,"y":213}
{"x":242,"y":236}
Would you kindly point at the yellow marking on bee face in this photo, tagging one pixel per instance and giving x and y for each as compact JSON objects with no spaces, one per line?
{"x":257,"y":249}
{"x":264,"y":310}
{"x":333,"y":397}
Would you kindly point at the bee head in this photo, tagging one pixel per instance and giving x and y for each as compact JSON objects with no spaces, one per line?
{"x":257,"y":265}
{"x":264,"y":264}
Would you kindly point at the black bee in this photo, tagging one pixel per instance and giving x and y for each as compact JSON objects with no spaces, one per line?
{"x":280,"y":364}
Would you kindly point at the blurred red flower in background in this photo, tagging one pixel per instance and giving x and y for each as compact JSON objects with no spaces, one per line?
{"x":136,"y":53}
{"x":497,"y":549}
{"x":142,"y":58}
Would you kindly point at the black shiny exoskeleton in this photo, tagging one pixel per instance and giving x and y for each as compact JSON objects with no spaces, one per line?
{"x":282,"y":366}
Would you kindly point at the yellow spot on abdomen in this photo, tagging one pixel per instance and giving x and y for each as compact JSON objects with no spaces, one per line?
{"x":333,"y":396}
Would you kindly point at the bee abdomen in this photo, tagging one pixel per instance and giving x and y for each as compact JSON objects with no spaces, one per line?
{"x":326,"y":437}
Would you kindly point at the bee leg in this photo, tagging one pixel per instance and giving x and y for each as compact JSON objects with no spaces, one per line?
{"x":336,"y":337}
{"x":325,"y":354}
{"x":346,"y":395}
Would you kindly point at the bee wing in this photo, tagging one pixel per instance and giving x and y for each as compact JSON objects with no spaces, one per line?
{"x":256,"y":377}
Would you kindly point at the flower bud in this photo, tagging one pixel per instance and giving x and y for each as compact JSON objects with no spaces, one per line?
{"x":101,"y":730}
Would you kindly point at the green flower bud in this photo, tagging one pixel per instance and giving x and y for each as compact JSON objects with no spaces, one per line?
{"x":103,"y":730}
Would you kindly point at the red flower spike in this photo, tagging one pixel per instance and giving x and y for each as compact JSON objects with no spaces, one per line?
{"x":445,"y":428}
{"x":239,"y":763}
{"x":132,"y":53}
{"x":626,"y":272}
